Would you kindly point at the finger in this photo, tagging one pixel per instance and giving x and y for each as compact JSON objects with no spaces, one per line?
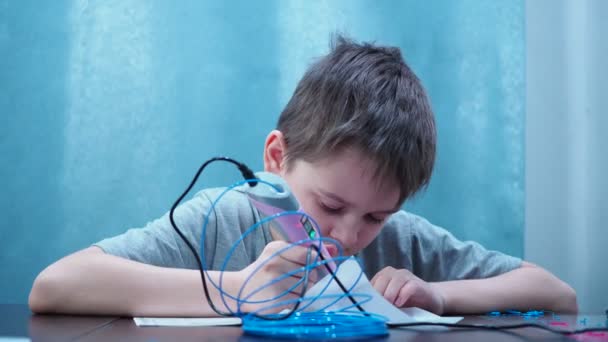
{"x":280,"y":258}
{"x":393,"y":288}
{"x":380,"y":282}
{"x":385,"y":272}
{"x":281,"y":267}
{"x":299,"y":255}
{"x":296,"y":254}
{"x":406,"y":294}
{"x":272,"y":289}
{"x":297,"y":285}
{"x":311,"y":273}
{"x":331,"y":249}
{"x":375,"y":278}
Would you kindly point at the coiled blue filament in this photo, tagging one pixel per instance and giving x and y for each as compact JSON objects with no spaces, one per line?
{"x":297,"y":322}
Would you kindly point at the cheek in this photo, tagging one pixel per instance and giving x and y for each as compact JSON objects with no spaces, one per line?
{"x":320,"y":218}
{"x":368,"y":234}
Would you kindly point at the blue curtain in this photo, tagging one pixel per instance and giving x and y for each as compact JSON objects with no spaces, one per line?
{"x":108,"y":107}
{"x":566,"y":162}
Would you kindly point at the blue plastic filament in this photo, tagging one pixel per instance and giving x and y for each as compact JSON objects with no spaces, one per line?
{"x":346,"y":323}
{"x":318,"y":325}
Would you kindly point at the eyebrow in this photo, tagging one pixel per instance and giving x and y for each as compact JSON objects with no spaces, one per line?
{"x":341,"y":200}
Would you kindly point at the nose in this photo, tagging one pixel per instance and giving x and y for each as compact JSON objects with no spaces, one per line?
{"x":345,"y":231}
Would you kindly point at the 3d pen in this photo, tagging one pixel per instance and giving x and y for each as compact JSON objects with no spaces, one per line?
{"x":278,"y":198}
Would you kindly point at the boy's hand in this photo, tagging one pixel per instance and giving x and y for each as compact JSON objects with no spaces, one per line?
{"x":270,"y":269}
{"x":402,"y":288}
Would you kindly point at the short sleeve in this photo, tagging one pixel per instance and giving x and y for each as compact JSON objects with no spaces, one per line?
{"x":226,"y":244}
{"x":438,"y":256}
{"x":157,"y":243}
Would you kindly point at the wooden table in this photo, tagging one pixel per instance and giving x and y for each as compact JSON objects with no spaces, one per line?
{"x":17,"y":321}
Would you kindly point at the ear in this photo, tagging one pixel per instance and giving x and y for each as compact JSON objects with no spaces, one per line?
{"x":274,"y":152}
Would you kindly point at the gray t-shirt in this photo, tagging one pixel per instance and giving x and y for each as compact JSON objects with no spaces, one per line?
{"x":406,"y":241}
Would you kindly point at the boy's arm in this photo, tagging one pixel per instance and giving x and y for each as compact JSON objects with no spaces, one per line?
{"x":93,"y":282}
{"x":484,"y":280}
{"x":528,"y":287}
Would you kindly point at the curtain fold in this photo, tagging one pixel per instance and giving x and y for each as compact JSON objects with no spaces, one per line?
{"x":566,"y":160}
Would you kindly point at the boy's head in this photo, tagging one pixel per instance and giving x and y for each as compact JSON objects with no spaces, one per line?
{"x":360,"y":102}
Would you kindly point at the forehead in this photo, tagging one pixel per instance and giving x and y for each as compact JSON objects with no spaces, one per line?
{"x":351,"y":176}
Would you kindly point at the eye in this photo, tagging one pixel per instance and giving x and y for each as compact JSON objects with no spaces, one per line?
{"x":329,"y":209}
{"x":373,"y":220}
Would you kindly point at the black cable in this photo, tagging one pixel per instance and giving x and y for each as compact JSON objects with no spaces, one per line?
{"x":248,"y":175}
{"x":499,"y":327}
{"x":335,"y":277}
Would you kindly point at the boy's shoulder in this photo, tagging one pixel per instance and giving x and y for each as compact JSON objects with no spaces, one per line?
{"x":223,"y":199}
{"x":228,"y":207}
{"x":414,"y":229}
{"x":404,"y":222}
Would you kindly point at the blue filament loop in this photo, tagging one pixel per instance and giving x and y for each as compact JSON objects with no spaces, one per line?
{"x":345,"y":322}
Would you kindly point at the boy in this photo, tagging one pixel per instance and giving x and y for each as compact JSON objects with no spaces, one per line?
{"x":354,"y":142}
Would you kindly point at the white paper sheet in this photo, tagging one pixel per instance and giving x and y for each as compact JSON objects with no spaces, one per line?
{"x":185,"y":322}
{"x":348,"y":272}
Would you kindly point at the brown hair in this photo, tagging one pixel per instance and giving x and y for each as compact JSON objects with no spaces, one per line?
{"x":363,"y":96}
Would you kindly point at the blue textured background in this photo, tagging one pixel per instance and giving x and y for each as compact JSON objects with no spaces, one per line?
{"x":108,"y":107}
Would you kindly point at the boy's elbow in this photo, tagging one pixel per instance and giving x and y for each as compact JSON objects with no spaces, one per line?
{"x":43,"y":291}
{"x":568,"y":301}
{"x":561,"y":296}
{"x":54,"y":286}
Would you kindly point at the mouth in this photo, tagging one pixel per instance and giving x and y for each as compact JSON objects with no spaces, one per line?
{"x":334,"y":250}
